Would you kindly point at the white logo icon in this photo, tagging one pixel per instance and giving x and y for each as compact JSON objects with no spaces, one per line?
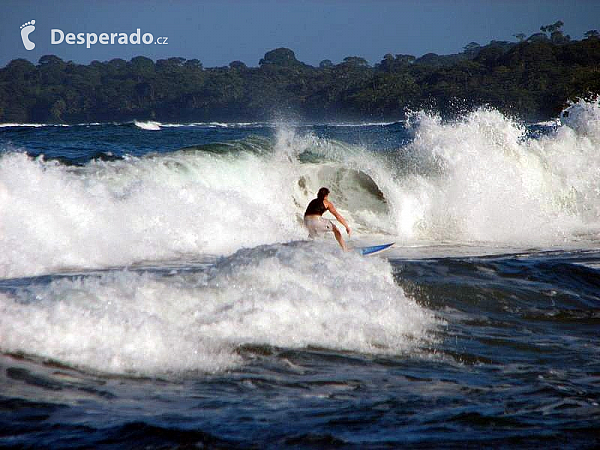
{"x":26,"y":30}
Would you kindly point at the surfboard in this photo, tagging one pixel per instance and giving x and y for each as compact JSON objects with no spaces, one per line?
{"x":373,"y":249}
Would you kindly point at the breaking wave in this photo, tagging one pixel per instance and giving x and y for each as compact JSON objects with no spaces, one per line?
{"x":478,"y":179}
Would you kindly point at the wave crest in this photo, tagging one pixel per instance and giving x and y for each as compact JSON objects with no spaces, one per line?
{"x":289,"y":296}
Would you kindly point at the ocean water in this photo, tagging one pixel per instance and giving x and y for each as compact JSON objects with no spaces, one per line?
{"x":158,"y":290}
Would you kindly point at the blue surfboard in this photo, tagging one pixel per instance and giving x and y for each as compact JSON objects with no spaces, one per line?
{"x":373,"y":249}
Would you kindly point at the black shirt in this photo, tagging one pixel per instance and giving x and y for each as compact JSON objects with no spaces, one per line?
{"x":315,"y":208}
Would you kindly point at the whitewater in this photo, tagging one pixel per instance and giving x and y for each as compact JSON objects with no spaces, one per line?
{"x":157,"y":284}
{"x":477,"y":180}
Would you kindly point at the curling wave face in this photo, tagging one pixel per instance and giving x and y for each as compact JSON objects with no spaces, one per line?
{"x":212,"y":199}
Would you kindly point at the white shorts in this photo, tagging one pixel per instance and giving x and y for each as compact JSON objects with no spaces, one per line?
{"x":317,"y":225}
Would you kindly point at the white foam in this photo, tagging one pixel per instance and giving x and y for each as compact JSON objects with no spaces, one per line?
{"x":149,"y":125}
{"x":584,"y":118}
{"x":549,"y":123}
{"x":476,"y":181}
{"x":114,"y":213}
{"x":219,"y":125}
{"x":291,"y":296}
{"x":32,"y":125}
{"x":361,"y":124}
{"x":480,"y":179}
{"x":54,"y":217}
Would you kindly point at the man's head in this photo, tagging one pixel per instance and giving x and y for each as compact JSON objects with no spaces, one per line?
{"x":323,"y":192}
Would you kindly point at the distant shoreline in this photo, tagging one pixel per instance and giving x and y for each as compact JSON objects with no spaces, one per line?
{"x":532,"y":80}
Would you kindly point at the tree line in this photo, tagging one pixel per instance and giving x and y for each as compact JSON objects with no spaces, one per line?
{"x":532,"y":78}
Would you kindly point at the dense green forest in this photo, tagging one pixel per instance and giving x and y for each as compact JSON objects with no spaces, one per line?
{"x":532,"y":79}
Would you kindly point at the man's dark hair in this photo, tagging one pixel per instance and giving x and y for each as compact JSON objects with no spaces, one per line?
{"x":323,"y":192}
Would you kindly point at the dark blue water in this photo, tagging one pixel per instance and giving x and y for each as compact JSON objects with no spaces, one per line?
{"x":79,"y":143}
{"x":500,"y":348}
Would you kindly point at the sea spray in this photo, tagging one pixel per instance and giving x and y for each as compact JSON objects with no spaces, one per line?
{"x":210,"y":199}
{"x":54,"y":217}
{"x":481,"y":179}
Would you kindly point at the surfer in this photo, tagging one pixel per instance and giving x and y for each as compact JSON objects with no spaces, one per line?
{"x":317,"y":224}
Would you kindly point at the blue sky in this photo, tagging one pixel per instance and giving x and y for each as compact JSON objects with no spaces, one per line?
{"x":218,"y":32}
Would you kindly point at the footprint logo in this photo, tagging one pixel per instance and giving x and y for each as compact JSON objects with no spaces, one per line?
{"x":26,"y":30}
